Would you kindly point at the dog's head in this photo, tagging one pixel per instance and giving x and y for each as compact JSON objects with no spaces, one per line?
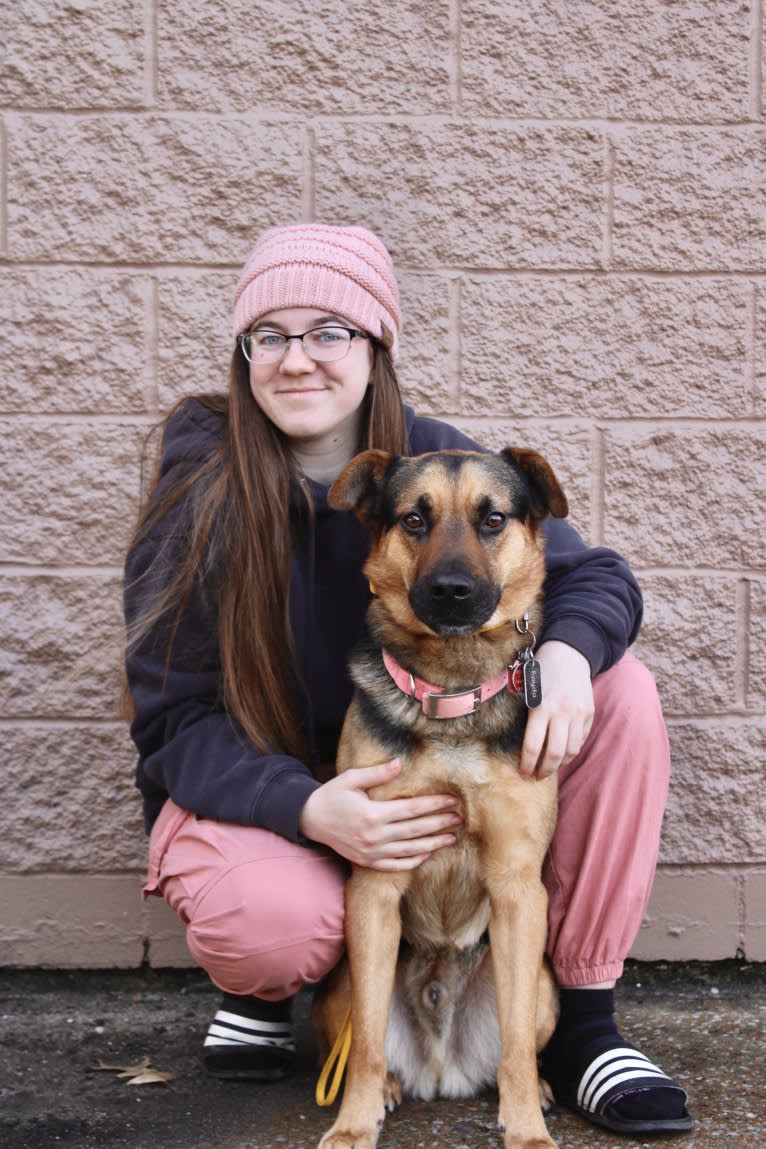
{"x":456,"y":542}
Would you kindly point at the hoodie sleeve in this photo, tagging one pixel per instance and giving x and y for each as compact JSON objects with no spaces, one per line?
{"x":592,"y":599}
{"x":190,"y":748}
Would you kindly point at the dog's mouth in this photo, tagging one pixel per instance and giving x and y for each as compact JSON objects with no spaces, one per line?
{"x":447,"y":630}
{"x":453,"y":602}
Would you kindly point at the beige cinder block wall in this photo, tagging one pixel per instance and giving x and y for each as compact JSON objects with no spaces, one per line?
{"x":573,"y":194}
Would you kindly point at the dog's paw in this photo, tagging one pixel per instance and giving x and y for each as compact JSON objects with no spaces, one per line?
{"x":529,"y":1143}
{"x":348,"y":1139}
{"x":514,"y":1139}
{"x":392,"y":1092}
{"x":547,"y":1100}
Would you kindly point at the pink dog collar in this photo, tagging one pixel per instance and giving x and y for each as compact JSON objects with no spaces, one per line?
{"x":439,"y":703}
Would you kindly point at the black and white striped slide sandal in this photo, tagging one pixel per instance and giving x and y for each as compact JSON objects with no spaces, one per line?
{"x":613,"y":1089}
{"x":250,"y":1040}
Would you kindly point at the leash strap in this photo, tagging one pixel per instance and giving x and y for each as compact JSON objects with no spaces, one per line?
{"x":337,"y":1058}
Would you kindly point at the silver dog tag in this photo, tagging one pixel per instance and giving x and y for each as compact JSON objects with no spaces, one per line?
{"x":533,"y":686}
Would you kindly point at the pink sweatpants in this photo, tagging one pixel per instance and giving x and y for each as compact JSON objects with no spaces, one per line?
{"x":264,"y":916}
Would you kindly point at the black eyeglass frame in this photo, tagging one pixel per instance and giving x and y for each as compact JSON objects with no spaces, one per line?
{"x":352,"y":332}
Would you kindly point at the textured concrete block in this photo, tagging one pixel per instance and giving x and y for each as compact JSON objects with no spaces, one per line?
{"x":690,"y":198}
{"x":75,"y":490}
{"x":194,"y":336}
{"x":166,"y":935}
{"x":75,"y":340}
{"x":716,"y":811}
{"x":567,"y":448}
{"x":305,"y":57}
{"x":72,"y":54}
{"x":756,"y":685}
{"x":169,"y":189}
{"x":682,"y":641}
{"x":681,"y":61}
{"x":687,"y":496}
{"x":691,"y":917}
{"x":71,"y":921}
{"x":616,"y":347}
{"x":755,"y":916}
{"x":69,"y":800}
{"x":62,"y":643}
{"x":427,"y":367}
{"x":465,"y":195}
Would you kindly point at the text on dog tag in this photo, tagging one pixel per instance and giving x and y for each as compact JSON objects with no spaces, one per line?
{"x":533,"y":687}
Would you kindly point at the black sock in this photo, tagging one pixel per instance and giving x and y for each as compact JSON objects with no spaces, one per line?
{"x":257,"y":1008}
{"x":584,"y":1014}
{"x":587,"y":1015}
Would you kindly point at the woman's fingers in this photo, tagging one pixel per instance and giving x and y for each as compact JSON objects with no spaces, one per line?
{"x":415,"y":828}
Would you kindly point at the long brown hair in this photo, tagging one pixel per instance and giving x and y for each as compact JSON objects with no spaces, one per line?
{"x":237,"y":504}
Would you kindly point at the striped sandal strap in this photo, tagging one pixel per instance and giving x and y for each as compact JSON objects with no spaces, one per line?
{"x":616,"y":1071}
{"x":233,"y":1029}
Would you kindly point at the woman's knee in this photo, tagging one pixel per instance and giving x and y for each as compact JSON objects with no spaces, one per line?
{"x":270,"y":933}
{"x":627,"y":692}
{"x":626,"y":756}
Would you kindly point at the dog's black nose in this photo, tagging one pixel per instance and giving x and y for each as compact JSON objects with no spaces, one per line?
{"x":451,"y":600}
{"x":451,"y":588}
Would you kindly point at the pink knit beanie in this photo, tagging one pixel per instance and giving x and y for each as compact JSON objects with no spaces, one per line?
{"x":343,"y":270}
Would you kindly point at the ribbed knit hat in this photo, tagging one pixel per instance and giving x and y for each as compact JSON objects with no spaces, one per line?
{"x":346,"y":271}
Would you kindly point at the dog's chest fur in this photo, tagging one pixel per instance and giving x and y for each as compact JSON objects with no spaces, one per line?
{"x":446,"y":903}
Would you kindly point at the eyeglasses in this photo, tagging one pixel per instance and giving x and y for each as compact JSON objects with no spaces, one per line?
{"x":322,"y":344}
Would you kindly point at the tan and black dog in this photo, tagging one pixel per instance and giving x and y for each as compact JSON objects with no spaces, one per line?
{"x":456,"y":567}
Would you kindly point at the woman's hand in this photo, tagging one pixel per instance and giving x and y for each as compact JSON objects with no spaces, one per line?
{"x":397,"y":834}
{"x":558,"y":727}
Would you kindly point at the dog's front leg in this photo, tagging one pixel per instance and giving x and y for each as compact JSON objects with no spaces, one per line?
{"x":373,"y":930}
{"x":517,"y":933}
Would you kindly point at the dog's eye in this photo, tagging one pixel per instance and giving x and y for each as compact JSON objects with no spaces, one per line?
{"x":495,"y":520}
{"x":414,"y":523}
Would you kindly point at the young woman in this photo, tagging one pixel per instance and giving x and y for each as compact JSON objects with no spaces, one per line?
{"x":244,"y":595}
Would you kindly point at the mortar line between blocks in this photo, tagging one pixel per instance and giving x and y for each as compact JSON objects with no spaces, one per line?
{"x":608,"y":240}
{"x":751,"y":350}
{"x":756,"y":67}
{"x":597,"y":481}
{"x":454,"y":340}
{"x":4,"y":181}
{"x":309,"y":173}
{"x":153,"y":346}
{"x":456,"y":62}
{"x":151,"y":53}
{"x":742,"y":911}
{"x":742,"y":663}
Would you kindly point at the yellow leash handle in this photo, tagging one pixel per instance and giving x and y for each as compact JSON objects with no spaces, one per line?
{"x":338,"y":1057}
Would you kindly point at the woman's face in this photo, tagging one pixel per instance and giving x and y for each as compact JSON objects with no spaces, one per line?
{"x":312,"y":403}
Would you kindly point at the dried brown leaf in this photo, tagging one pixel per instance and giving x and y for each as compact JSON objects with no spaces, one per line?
{"x":140,"y":1074}
{"x":123,"y":1070}
{"x":151,"y":1077}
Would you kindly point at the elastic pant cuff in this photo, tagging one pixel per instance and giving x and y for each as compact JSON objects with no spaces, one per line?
{"x":571,"y":976}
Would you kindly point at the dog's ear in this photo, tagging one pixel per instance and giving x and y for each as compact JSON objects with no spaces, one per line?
{"x":358,"y":483}
{"x":544,"y":488}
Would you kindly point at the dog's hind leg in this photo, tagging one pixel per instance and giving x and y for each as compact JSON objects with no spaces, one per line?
{"x":373,"y":931}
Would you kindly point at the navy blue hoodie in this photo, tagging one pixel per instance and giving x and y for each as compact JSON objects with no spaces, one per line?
{"x":191,"y":749}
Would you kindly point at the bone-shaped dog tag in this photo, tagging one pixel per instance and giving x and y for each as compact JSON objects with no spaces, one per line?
{"x":533,"y":686}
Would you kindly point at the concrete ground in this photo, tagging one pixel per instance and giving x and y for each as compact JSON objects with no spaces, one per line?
{"x":704,"y":1024}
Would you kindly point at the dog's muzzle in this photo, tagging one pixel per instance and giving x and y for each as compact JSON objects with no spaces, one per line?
{"x":453,"y":601}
